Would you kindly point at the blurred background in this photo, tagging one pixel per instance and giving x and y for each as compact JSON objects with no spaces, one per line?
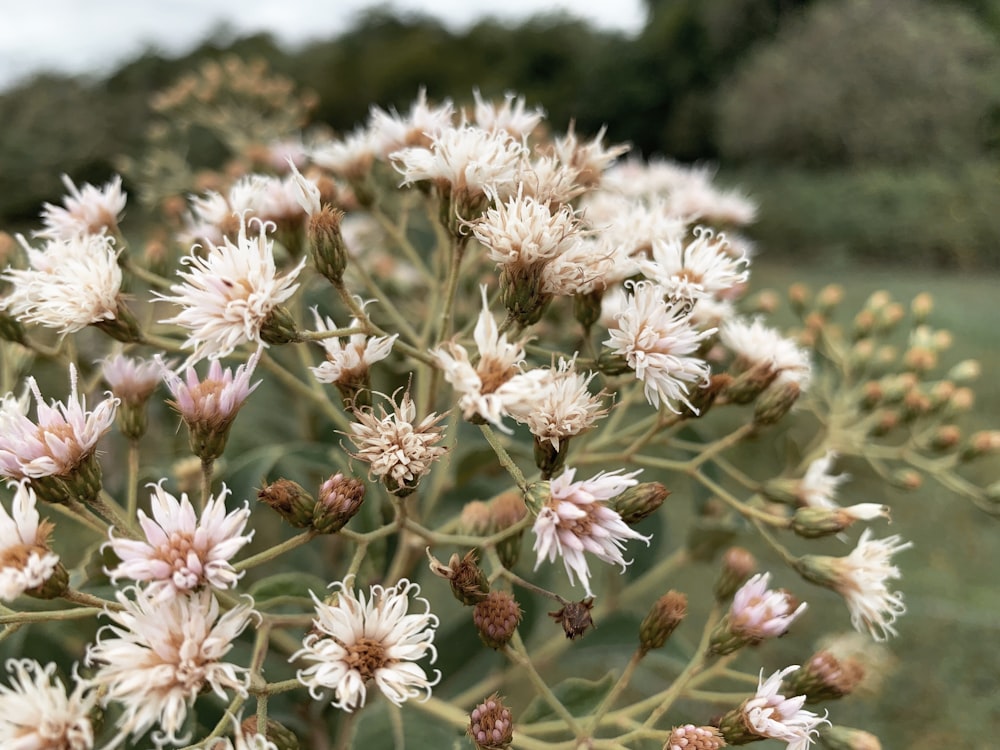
{"x":868,"y":130}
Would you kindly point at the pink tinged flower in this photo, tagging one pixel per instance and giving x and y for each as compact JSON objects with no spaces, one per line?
{"x":36,"y":712}
{"x":755,"y":344}
{"x":158,"y":655}
{"x":495,"y":384}
{"x":657,"y":339}
{"x":26,"y":562}
{"x":758,"y":612}
{"x":576,"y":519}
{"x":70,"y":284}
{"x":230,"y":293}
{"x":62,"y":438}
{"x":358,"y":640}
{"x":772,"y":715}
{"x":691,"y":270}
{"x":132,"y":379}
{"x":182,"y":552}
{"x":349,"y":362}
{"x":86,"y":210}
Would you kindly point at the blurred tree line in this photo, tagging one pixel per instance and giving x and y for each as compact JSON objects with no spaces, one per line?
{"x":868,"y":129}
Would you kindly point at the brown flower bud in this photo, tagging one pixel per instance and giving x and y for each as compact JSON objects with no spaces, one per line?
{"x":750,"y":383}
{"x":829,"y":297}
{"x":737,"y":567}
{"x":824,"y":677}
{"x":55,"y":586}
{"x":326,"y":243}
{"x":702,"y":399}
{"x":490,"y":725}
{"x":476,"y":518}
{"x":639,"y":502}
{"x":340,"y":499}
{"x":290,"y":500}
{"x":666,"y":614}
{"x":946,"y":437}
{"x":506,"y":510}
{"x":575,"y":618}
{"x":691,"y":737}
{"x":800,"y":297}
{"x":496,"y":618}
{"x":907,"y":479}
{"x":279,"y":327}
{"x":468,"y":582}
{"x":773,"y":404}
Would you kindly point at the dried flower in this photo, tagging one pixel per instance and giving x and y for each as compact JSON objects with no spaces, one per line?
{"x":468,"y":581}
{"x":357,"y":640}
{"x":36,"y":713}
{"x":575,"y":617}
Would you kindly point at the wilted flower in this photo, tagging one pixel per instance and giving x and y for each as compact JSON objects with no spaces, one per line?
{"x":26,"y":562}
{"x":818,"y":488}
{"x":160,"y":654}
{"x":575,"y":519}
{"x":182,"y":552}
{"x":89,"y":210}
{"x":358,"y":639}
{"x":37,"y":714}
{"x":230,"y":294}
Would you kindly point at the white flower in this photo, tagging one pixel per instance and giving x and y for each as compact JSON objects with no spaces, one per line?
{"x":495,"y":384}
{"x":391,"y":132}
{"x":160,"y":654}
{"x":69,"y":285}
{"x":561,"y":406}
{"x":576,"y":519}
{"x":182,"y":552}
{"x":358,"y":640}
{"x":770,"y":714}
{"x":862,"y":579}
{"x":89,"y":210}
{"x":818,"y":488}
{"x":37,"y":714}
{"x":397,"y":450}
{"x":228,"y":295}
{"x":657,"y":339}
{"x":26,"y":562}
{"x":524,"y":232}
{"x":350,"y":157}
{"x":512,"y":116}
{"x":758,"y":612}
{"x":64,"y":436}
{"x":349,"y":362}
{"x":754,"y":343}
{"x":590,"y":159}
{"x":699,"y":268}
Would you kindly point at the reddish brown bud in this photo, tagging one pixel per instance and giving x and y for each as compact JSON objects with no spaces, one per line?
{"x":490,"y":725}
{"x":496,"y":618}
{"x":824,"y":677}
{"x":666,"y":614}
{"x":289,"y":500}
{"x":468,"y":581}
{"x":340,"y":499}
{"x":737,"y":567}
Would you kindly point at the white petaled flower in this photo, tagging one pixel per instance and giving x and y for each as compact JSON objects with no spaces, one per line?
{"x":495,"y":384}
{"x":132,"y":379}
{"x":397,"y":450}
{"x":589,"y":159}
{"x":755,"y":344}
{"x":182,"y":552}
{"x":524,"y":232}
{"x":512,"y":116}
{"x":209,"y":219}
{"x":64,"y":436}
{"x":86,"y":210}
{"x":349,"y":362}
{"x":588,"y":265}
{"x":818,"y":488}
{"x":70,"y":284}
{"x":159,"y":654}
{"x":26,"y":562}
{"x":691,"y":270}
{"x":351,"y":157}
{"x":576,"y":519}
{"x":562,"y":406}
{"x":548,"y":180}
{"x":358,"y":640}
{"x":758,"y":612}
{"x":391,"y":131}
{"x":230,"y":293}
{"x":657,"y":340}
{"x":36,"y":713}
{"x":772,"y":715}
{"x":862,"y":578}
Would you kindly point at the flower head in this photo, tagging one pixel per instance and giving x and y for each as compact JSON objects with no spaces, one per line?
{"x":758,"y":612}
{"x":657,"y":340}
{"x":159,"y":654}
{"x":818,"y":488}
{"x":357,"y":640}
{"x":391,"y":131}
{"x":89,"y":210}
{"x":697,"y":269}
{"x":348,"y":363}
{"x":63,"y":438}
{"x":755,"y":344}
{"x":26,"y":562}
{"x":37,"y":714}
{"x":182,"y":552}
{"x":70,"y":284}
{"x":132,"y":379}
{"x":230,"y":294}
{"x":576,"y":519}
{"x":397,"y":450}
{"x":512,"y":116}
{"x":771,"y":715}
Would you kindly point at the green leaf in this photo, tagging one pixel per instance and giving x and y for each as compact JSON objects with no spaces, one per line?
{"x":419,"y":730}
{"x":579,"y":696}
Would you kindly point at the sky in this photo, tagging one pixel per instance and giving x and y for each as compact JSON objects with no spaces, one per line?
{"x":77,"y":36}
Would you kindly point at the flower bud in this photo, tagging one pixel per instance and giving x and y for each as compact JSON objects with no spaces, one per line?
{"x":749,"y":384}
{"x":889,"y":317}
{"x":279,"y":327}
{"x":11,"y":329}
{"x":639,"y":502}
{"x":326,"y":243}
{"x":468,"y":582}
{"x":123,"y":327}
{"x":775,"y":402}
{"x":575,"y":617}
{"x":737,"y":567}
{"x":521,"y":293}
{"x":496,"y":618}
{"x":549,"y":459}
{"x":813,"y":523}
{"x":848,"y":738}
{"x":799,"y":297}
{"x":690,"y":737}
{"x":921,"y":307}
{"x":537,"y":497}
{"x":506,"y":510}
{"x":290,"y":500}
{"x":965,"y":371}
{"x":610,"y":363}
{"x":962,"y":401}
{"x":982,"y":443}
{"x":765,"y":301}
{"x":666,"y":614}
{"x":83,"y":483}
{"x":829,"y":297}
{"x":864,"y":324}
{"x":490,"y":725}
{"x":907,"y":479}
{"x":886,"y":420}
{"x":587,"y":308}
{"x":824,"y":677}
{"x":282,"y":737}
{"x":340,"y":499}
{"x":702,"y":399}
{"x":55,"y":585}
{"x":946,"y":437}
{"x":476,"y":518}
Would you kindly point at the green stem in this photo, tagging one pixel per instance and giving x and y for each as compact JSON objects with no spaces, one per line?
{"x":105,"y":506}
{"x":207,"y":469}
{"x":515,"y":651}
{"x":612,"y":696}
{"x":505,"y":460}
{"x":269,"y":554}
{"x":132,"y":480}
